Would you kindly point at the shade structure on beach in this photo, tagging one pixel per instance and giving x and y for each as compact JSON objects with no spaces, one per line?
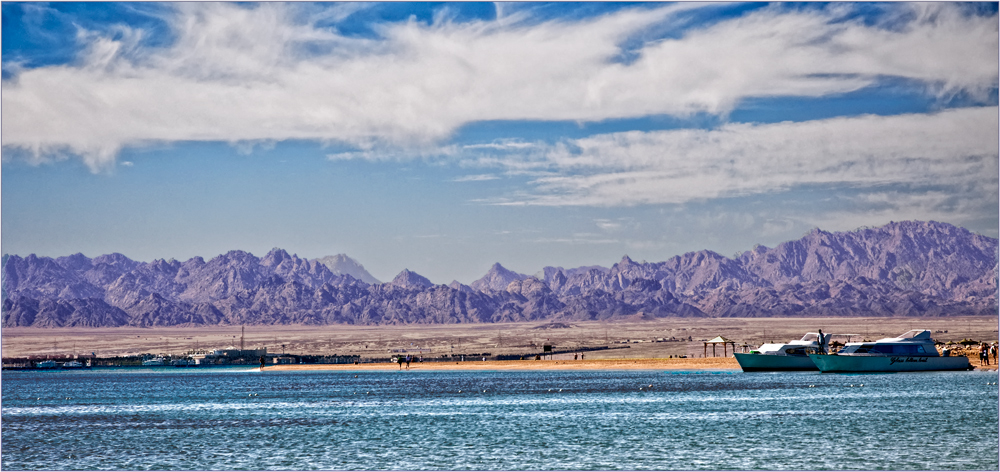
{"x":719,"y":340}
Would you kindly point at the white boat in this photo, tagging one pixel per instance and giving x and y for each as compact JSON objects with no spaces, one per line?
{"x":50,"y":364}
{"x":909,"y":352}
{"x":154,"y":362}
{"x":182,"y":363}
{"x":72,"y":365}
{"x":793,"y":355}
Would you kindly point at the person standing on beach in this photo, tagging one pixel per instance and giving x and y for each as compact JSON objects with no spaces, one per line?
{"x":261,"y":363}
{"x":993,"y":351}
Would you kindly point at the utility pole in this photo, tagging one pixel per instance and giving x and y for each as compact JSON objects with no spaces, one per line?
{"x":242,"y":328}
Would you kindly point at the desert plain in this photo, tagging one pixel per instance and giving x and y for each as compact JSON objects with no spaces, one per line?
{"x":635,"y":341}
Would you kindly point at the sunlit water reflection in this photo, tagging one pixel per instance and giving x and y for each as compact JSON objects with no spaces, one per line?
{"x":207,"y":419}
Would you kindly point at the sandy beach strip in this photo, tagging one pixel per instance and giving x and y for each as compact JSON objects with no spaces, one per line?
{"x":711,"y":363}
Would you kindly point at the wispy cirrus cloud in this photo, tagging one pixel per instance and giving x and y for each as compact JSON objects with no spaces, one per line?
{"x":954,"y":149}
{"x":269,"y":72}
{"x":501,"y":145}
{"x":476,"y":178}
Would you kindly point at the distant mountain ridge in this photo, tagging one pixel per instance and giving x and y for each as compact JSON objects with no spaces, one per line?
{"x":906,"y":268}
{"x":343,"y":265}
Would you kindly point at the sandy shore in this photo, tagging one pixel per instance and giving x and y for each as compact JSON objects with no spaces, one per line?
{"x":658,"y":339}
{"x":711,"y":363}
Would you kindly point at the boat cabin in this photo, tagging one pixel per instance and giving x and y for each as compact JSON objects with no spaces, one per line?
{"x":914,"y":343}
{"x":809,"y":344}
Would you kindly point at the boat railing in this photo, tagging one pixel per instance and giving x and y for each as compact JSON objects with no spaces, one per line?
{"x":882,"y":354}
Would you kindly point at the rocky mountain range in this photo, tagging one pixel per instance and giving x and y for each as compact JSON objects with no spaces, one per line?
{"x":904,"y":268}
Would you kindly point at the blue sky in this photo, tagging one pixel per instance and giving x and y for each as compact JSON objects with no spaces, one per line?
{"x":444,"y":137}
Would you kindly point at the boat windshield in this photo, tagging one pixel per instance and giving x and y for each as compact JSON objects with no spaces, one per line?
{"x":801,"y":351}
{"x":905,"y":349}
{"x":810,"y":337}
{"x":915,"y":333}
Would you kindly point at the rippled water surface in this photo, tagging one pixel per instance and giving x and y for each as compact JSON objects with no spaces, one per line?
{"x":168,"y":418}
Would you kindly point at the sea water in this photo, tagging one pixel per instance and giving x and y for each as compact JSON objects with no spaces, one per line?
{"x":238,"y":418}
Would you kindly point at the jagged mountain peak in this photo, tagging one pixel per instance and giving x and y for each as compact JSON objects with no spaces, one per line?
{"x":628,"y":265}
{"x":162,"y":265}
{"x":456,"y":285}
{"x":410,"y":279}
{"x":116,"y":260}
{"x":195,"y":261}
{"x":75,"y":262}
{"x":275,"y":257}
{"x":341,"y":264}
{"x":497,"y":278}
{"x":237,"y":255}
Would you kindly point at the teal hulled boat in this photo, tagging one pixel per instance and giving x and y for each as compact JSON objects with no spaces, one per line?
{"x":909,"y":352}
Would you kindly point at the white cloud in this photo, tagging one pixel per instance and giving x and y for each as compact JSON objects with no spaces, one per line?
{"x":265,"y":73}
{"x":502,"y":145}
{"x":608,"y":225}
{"x":618,"y":225}
{"x":956,"y":149}
{"x":476,"y":178}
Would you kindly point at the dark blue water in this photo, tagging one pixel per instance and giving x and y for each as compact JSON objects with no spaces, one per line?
{"x":208,"y":419}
